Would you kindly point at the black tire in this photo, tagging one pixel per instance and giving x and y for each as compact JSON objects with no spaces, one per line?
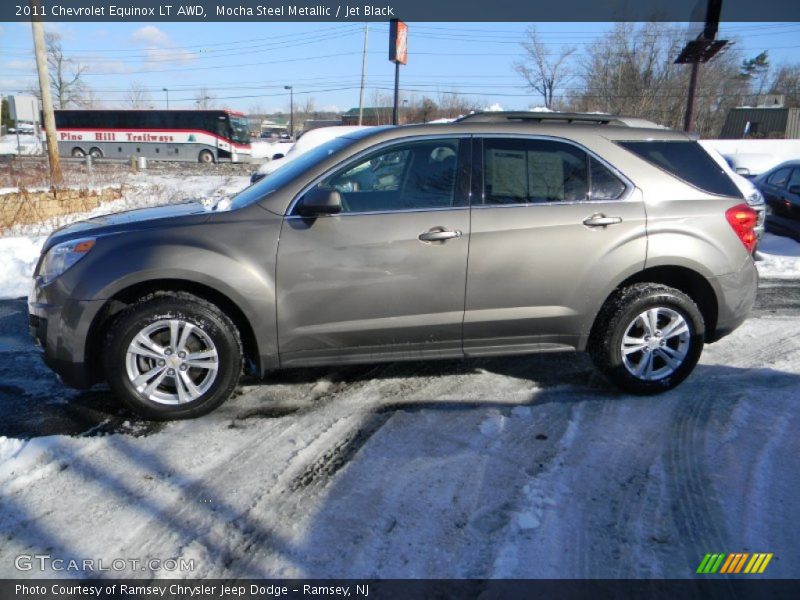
{"x":208,"y":323}
{"x":77,"y":153}
{"x":96,"y":153}
{"x":620,"y":315}
{"x":206,"y":157}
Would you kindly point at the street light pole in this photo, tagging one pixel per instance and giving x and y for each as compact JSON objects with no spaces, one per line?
{"x":291,"y":109}
{"x":165,"y":90}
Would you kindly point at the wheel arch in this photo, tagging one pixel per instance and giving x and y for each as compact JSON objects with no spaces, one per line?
{"x":688,"y":281}
{"x":128,"y":295}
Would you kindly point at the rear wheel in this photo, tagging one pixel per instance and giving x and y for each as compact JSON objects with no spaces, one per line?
{"x":647,"y":338}
{"x":78,"y":153}
{"x":173,"y":356}
{"x":206,"y":156}
{"x":96,"y":153}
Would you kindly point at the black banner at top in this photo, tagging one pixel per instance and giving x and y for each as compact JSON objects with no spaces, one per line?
{"x":383,"y":10}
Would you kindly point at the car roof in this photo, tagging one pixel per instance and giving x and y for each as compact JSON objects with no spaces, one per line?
{"x":576,"y":131}
{"x":785,"y":165}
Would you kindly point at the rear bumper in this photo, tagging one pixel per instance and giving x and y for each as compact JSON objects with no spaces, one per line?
{"x":736,"y":293}
{"x":61,"y":326}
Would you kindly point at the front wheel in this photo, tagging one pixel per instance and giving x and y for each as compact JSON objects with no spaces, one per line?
{"x":647,"y":338}
{"x":206,"y":156}
{"x":173,"y":356}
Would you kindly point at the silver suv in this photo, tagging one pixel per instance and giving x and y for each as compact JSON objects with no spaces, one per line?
{"x":497,"y":235}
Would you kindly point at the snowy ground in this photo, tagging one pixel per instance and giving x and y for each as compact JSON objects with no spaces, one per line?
{"x":497,"y":468}
{"x":523,"y":467}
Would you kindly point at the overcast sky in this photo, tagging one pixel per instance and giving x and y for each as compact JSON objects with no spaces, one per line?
{"x":247,"y":65}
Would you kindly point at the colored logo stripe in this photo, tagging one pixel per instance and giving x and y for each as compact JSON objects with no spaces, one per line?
{"x":734,"y":563}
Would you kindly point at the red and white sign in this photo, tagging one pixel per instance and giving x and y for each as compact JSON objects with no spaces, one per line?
{"x":398,"y":42}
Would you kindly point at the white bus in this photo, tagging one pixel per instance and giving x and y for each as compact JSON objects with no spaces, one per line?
{"x":185,"y":135}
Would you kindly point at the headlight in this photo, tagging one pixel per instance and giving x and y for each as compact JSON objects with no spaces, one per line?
{"x":62,"y":256}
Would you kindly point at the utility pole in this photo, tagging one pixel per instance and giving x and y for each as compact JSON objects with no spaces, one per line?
{"x":688,"y":117}
{"x":363,"y":76}
{"x":700,"y":50}
{"x":47,"y":99}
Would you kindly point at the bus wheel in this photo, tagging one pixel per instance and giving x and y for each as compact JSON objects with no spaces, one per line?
{"x":206,"y":156}
{"x":96,"y":153}
{"x":78,"y":153}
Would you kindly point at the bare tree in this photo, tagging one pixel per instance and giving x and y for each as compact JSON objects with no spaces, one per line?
{"x":65,"y":73}
{"x":89,"y":98}
{"x":787,"y":82}
{"x":423,"y":111}
{"x":453,"y":105}
{"x":138,"y":96}
{"x":204,"y":100}
{"x":544,"y":69}
{"x":382,"y":105}
{"x":631,"y":71}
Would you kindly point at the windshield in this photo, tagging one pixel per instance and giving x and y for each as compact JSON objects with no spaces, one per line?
{"x":289,"y":172}
{"x":240,"y":130}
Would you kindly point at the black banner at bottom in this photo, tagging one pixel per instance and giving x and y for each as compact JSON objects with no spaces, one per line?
{"x":488,"y":589}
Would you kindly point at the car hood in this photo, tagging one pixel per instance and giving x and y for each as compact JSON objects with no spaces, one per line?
{"x":131,"y":220}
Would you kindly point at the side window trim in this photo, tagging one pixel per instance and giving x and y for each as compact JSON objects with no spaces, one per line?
{"x":479,"y":172}
{"x":462,"y":171}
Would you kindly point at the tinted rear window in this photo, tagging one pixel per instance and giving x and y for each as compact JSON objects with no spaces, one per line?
{"x":687,"y":161}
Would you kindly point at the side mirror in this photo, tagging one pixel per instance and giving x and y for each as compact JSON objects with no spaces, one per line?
{"x":743,"y":171}
{"x":320,"y":201}
{"x":794,"y":189}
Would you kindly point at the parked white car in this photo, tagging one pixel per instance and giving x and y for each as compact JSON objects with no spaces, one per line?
{"x":307,"y":141}
{"x":750,"y":192}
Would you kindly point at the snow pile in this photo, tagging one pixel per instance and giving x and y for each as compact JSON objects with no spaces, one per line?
{"x":18,"y":258}
{"x":779,"y":257}
{"x":261,"y":149}
{"x":28,"y":144}
{"x":20,"y":251}
{"x":269,"y":149}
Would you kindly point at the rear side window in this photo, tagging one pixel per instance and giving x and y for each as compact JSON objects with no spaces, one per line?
{"x":531,"y":171}
{"x":778,"y":178}
{"x":686,"y":161}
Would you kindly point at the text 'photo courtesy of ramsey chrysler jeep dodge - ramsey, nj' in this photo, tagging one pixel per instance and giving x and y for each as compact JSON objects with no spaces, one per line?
{"x":498,"y":234}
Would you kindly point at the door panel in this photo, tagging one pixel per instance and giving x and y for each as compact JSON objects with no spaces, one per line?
{"x":362,"y":285}
{"x":366,"y":285}
{"x":535,"y":269}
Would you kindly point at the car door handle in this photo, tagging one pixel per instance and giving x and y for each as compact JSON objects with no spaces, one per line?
{"x":439,"y":234}
{"x":600,"y":220}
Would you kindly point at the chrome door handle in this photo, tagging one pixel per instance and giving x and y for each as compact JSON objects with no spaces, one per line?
{"x":600,"y":220}
{"x":439,"y":234}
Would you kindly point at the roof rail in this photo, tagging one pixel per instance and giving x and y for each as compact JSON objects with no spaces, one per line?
{"x":540,"y":117}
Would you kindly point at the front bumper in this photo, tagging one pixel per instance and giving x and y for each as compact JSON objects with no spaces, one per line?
{"x":61,"y":326}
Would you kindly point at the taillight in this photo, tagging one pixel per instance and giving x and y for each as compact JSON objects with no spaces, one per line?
{"x":743,"y":220}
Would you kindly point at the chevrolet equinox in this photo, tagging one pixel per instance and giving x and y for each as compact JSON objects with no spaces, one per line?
{"x":497,"y":235}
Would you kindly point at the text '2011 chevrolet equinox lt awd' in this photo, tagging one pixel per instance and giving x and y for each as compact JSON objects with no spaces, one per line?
{"x":496,"y":235}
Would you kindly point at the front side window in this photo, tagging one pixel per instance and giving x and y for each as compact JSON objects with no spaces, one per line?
{"x":532,"y":171}
{"x":408,"y":176}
